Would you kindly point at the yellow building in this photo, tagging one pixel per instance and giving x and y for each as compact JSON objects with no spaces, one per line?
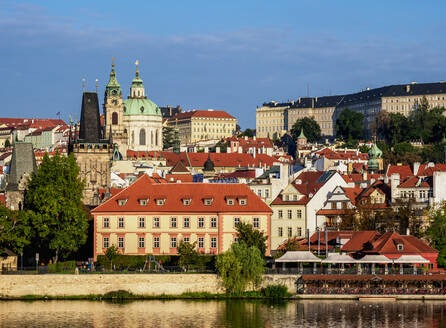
{"x":200,"y":125}
{"x":148,"y":218}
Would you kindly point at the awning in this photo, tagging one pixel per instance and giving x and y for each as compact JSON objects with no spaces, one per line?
{"x":411,"y":259}
{"x":298,"y":256}
{"x":374,"y":259}
{"x":339,"y":258}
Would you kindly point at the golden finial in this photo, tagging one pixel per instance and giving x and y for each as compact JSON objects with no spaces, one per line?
{"x":113,"y":61}
{"x":97,"y":85}
{"x":83,"y":84}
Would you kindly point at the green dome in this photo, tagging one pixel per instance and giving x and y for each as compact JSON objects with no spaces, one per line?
{"x":375,"y":152}
{"x":140,"y":106}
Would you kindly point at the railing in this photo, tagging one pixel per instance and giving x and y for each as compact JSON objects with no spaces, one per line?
{"x":373,"y":291}
{"x":349,"y":271}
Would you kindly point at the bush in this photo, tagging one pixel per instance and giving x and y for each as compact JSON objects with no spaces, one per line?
{"x":67,"y":266}
{"x":276,"y":291}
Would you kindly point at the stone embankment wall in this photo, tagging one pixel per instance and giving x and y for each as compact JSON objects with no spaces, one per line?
{"x":140,"y":284}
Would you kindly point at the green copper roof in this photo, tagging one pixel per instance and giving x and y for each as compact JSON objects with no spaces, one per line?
{"x":375,"y":152}
{"x":140,"y":106}
{"x":137,"y":81}
{"x":113,"y":84}
{"x":302,"y":135}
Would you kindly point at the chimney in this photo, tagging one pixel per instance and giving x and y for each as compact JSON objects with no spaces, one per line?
{"x":364,"y":176}
{"x":416,"y":167}
{"x":217,"y":149}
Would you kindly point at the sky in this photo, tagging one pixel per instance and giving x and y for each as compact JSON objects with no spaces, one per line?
{"x":223,"y":55}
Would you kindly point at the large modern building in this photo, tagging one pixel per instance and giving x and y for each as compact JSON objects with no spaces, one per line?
{"x":148,"y":218}
{"x":199,"y":125}
{"x":273,"y":119}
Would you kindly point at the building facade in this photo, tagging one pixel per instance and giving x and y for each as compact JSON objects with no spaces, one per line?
{"x":199,"y":125}
{"x":148,"y":218}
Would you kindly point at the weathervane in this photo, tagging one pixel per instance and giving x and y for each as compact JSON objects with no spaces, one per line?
{"x":97,"y":85}
{"x":83,"y":84}
{"x":113,"y":61}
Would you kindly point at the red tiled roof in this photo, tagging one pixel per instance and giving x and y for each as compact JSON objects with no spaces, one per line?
{"x":251,"y":142}
{"x":179,"y":177}
{"x":174,"y":193}
{"x":202,"y":113}
{"x":352,"y":193}
{"x":387,"y":243}
{"x":249,"y":174}
{"x":325,"y":151}
{"x":359,"y":238}
{"x":279,"y":201}
{"x":429,"y":171}
{"x":403,"y":170}
{"x":333,"y":212}
{"x":411,"y":182}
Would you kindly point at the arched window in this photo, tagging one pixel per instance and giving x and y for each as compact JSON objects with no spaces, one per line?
{"x":156,"y":138}
{"x":115,"y":118}
{"x":142,"y":137}
{"x":151,"y":137}
{"x":125,"y":131}
{"x":133,"y":137}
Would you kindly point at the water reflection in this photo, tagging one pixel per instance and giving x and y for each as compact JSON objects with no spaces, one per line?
{"x":231,"y":314}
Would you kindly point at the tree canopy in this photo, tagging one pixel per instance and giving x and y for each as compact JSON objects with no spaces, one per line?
{"x":14,"y":230}
{"x":188,"y":254}
{"x":349,"y":125}
{"x":57,"y":216}
{"x":168,"y":137}
{"x":251,"y":237}
{"x":311,"y":129}
{"x":436,"y":232}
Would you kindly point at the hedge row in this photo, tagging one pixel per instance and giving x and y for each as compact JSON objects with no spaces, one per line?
{"x":67,"y":266}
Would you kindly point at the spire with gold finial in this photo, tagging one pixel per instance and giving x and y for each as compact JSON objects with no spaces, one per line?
{"x":137,"y":88}
{"x":113,"y":88}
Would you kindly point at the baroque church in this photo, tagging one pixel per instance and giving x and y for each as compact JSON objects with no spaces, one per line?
{"x":135,"y":124}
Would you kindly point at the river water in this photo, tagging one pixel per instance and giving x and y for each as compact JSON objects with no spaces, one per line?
{"x":185,"y":314}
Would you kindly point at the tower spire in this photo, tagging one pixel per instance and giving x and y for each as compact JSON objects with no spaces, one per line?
{"x":113,"y":88}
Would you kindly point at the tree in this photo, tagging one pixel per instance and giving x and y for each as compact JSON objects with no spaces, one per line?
{"x":240,"y":267}
{"x":188,"y":254}
{"x":111,"y":254}
{"x":168,"y":137}
{"x":223,"y":147}
{"x":14,"y":230}
{"x":436,"y":232}
{"x":364,"y":149}
{"x":247,"y":133}
{"x":251,"y":237}
{"x":311,"y":129}
{"x":349,"y":125}
{"x":288,"y":144}
{"x":58,"y":218}
{"x":291,"y":244}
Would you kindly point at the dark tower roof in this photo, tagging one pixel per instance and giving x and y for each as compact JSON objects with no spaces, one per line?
{"x":208,"y":165}
{"x":22,"y":162}
{"x":90,"y":126}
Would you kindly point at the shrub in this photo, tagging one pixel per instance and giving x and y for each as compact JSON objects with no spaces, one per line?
{"x":58,"y":267}
{"x":276,"y":291}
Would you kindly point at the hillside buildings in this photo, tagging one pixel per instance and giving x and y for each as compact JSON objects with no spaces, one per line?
{"x":273,"y":119}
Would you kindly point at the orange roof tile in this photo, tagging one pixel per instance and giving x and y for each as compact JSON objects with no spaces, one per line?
{"x":202,"y":113}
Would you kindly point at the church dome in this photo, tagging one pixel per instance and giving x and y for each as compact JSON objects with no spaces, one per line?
{"x":140,"y":106}
{"x":208,"y":165}
{"x":375,"y":152}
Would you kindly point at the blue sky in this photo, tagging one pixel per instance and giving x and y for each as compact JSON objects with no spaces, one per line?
{"x":228,"y":55}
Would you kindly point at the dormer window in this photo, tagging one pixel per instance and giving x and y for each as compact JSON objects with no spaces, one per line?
{"x":400,"y":247}
{"x":230,"y":201}
{"x":143,"y":201}
{"x":242,"y":201}
{"x":160,"y":201}
{"x":122,"y":202}
{"x":208,"y":201}
{"x":187,"y":201}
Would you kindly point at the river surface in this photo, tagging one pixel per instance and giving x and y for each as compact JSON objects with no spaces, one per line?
{"x":232,"y":313}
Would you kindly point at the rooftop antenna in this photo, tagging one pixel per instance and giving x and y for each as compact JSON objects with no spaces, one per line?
{"x":97,"y":85}
{"x":83,"y":84}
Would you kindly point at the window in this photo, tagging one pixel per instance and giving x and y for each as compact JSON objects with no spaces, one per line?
{"x":299,"y":232}
{"x":173,"y":222}
{"x":290,"y":232}
{"x":259,"y":192}
{"x":280,"y":231}
{"x":242,"y":201}
{"x":299,"y":214}
{"x":213,"y":222}
{"x":266,"y":193}
{"x":156,"y":222}
{"x":173,"y":242}
{"x":115,"y":118}
{"x":121,"y":202}
{"x":141,"y":242}
{"x":120,"y":242}
{"x":280,"y":214}
{"x":156,"y":242}
{"x":142,"y":137}
{"x":201,"y":242}
{"x":333,"y":205}
{"x":186,"y":240}
{"x":186,"y":223}
{"x":208,"y":202}
{"x":186,"y":201}
{"x":295,"y":197}
{"x":236,"y":221}
{"x":400,"y":247}
{"x":200,"y":222}
{"x":230,"y":202}
{"x":105,"y":242}
{"x":143,"y":202}
{"x":213,"y":242}
{"x":235,"y":239}
{"x":106,"y":223}
{"x":142,"y":223}
{"x":255,"y":222}
{"x":290,"y":214}
{"x":120,"y":222}
{"x":160,"y":202}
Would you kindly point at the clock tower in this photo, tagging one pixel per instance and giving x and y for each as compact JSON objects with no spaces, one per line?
{"x":114,"y":112}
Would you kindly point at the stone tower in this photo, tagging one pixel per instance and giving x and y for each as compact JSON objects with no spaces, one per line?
{"x":22,"y":164}
{"x":114,"y":113}
{"x":92,"y":151}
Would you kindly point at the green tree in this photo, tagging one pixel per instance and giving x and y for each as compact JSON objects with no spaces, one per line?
{"x":223,"y":147}
{"x":188,"y":254}
{"x":58,"y":218}
{"x":111,"y":254}
{"x":364,"y":149}
{"x":398,"y":128}
{"x":251,"y":237}
{"x":436,"y":232}
{"x":241,"y":267}
{"x":168,"y":137}
{"x":247,"y":133}
{"x":349,"y":125}
{"x":14,"y":229}
{"x":311,"y":129}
